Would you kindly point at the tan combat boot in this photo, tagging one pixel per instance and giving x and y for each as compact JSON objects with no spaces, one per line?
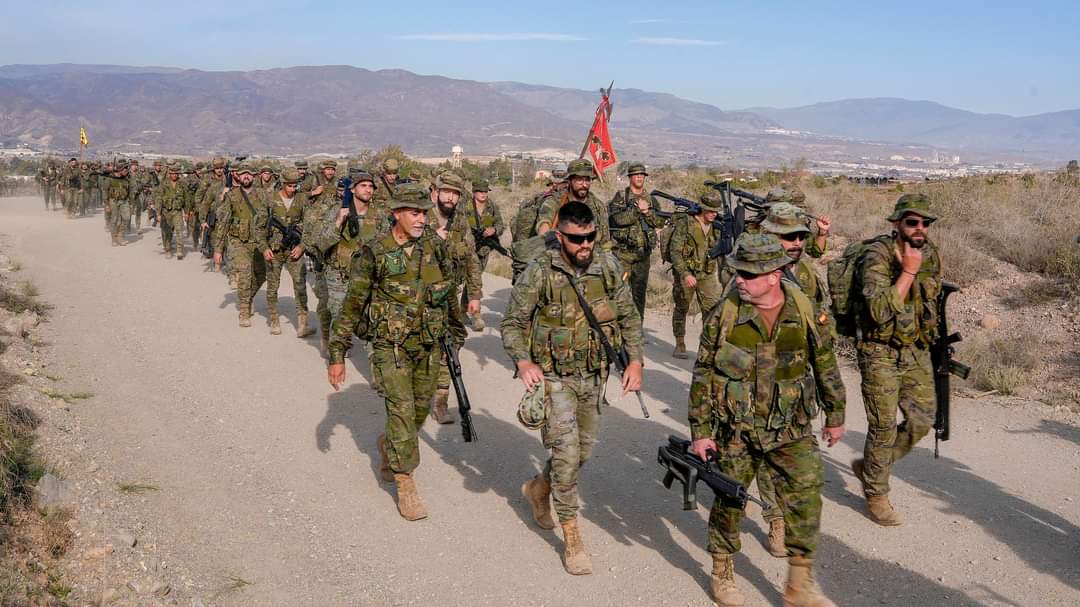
{"x":115,"y":241}
{"x":776,"y":538}
{"x":722,"y":582}
{"x":802,"y":590}
{"x":408,"y":502}
{"x":575,"y":559}
{"x":478,"y":323}
{"x":438,"y":407}
{"x":384,"y":462}
{"x":275,"y":321}
{"x":245,"y":315}
{"x":302,"y":328}
{"x":537,"y":491}
{"x":881,"y":511}
{"x":680,"y":349}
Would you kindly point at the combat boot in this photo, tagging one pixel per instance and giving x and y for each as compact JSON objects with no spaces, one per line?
{"x":881,"y":511}
{"x":409,"y":505}
{"x":802,"y":590}
{"x":575,"y":559}
{"x":680,"y":349}
{"x":275,"y":321}
{"x":384,"y":462}
{"x":232,"y":280}
{"x":438,"y":407}
{"x":722,"y":582}
{"x":302,"y":328}
{"x":245,"y":315}
{"x":776,"y":538}
{"x":115,"y":241}
{"x":537,"y":491}
{"x":478,"y":323}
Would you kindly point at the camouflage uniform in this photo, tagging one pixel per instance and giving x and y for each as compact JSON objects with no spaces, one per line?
{"x":48,"y":185}
{"x":208,"y":196}
{"x":120,"y":196}
{"x":796,"y":197}
{"x":757,"y":395}
{"x":400,"y":298}
{"x":291,"y":215}
{"x":690,"y":246}
{"x":544,"y":323}
{"x":174,"y":200}
{"x":307,"y":179}
{"x":242,"y":224}
{"x":70,"y":184}
{"x":550,"y":205}
{"x":320,"y":206}
{"x":384,"y":190}
{"x":86,"y":179}
{"x":480,"y":221}
{"x":634,"y":235}
{"x":893,"y":354}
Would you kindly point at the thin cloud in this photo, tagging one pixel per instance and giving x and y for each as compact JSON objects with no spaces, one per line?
{"x":677,"y":41}
{"x":492,"y":37}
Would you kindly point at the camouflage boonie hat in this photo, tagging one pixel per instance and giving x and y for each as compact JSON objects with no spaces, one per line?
{"x":558,"y":174}
{"x":582,"y":167}
{"x":329,"y":163}
{"x":290,"y":176}
{"x":391,"y":166}
{"x":918,"y":204}
{"x":785,"y":218}
{"x":173,"y":167}
{"x":531,"y":410}
{"x":411,"y":196}
{"x":218,"y":162}
{"x":481,"y":185}
{"x":636,"y":168}
{"x":358,"y":175}
{"x":712,"y":200}
{"x":300,"y":164}
{"x":244,"y":168}
{"x":122,"y":163}
{"x":200,"y":166}
{"x":450,"y":181}
{"x":266,"y":169}
{"x":758,"y":253}
{"x":786,"y":194}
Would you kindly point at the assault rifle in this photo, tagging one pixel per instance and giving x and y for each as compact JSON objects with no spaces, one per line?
{"x":453,"y":364}
{"x":941,"y":357}
{"x":728,"y":224}
{"x":749,"y":200}
{"x":353,"y":221}
{"x":492,"y":242}
{"x":211,"y":221}
{"x":682,"y":465}
{"x":290,"y":235}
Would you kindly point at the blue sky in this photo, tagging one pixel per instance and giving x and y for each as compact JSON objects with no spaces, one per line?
{"x":1014,"y":58}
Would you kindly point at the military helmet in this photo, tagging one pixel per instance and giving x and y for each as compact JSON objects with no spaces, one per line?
{"x":266,"y":169}
{"x":173,"y":167}
{"x":635,"y":168}
{"x":758,"y":253}
{"x":450,"y":181}
{"x":244,"y":168}
{"x":411,"y":196}
{"x":391,"y":166}
{"x":481,"y":185}
{"x":122,"y":163}
{"x":918,"y":204}
{"x":329,"y":163}
{"x":301,"y":164}
{"x":786,"y":194}
{"x":200,"y":166}
{"x":558,"y":174}
{"x":582,"y":167}
{"x":531,"y":410}
{"x":290,"y":176}
{"x":218,"y":162}
{"x":712,"y":200}
{"x":785,"y":218}
{"x":358,"y":175}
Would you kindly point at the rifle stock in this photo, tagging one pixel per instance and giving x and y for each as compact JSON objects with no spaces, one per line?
{"x":682,"y":465}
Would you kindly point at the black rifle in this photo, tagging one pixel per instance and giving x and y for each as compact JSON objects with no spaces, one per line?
{"x":682,"y":465}
{"x":290,"y":235}
{"x":211,"y":221}
{"x":620,"y":358}
{"x":728,"y":225}
{"x":941,"y":356}
{"x":758,"y":204}
{"x":492,"y":242}
{"x":353,"y":220}
{"x":453,"y":364}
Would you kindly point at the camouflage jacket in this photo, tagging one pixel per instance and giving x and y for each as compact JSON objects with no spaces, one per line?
{"x":886,"y":318}
{"x":71,"y":178}
{"x":745,"y":379}
{"x":633,"y":232}
{"x":173,"y":197}
{"x":246,"y":223}
{"x":384,"y":192}
{"x":544,"y":322}
{"x":315,"y":214}
{"x":549,"y":209}
{"x":286,"y":216}
{"x":690,"y":247}
{"x":208,"y":196}
{"x":336,"y":244}
{"x":399,"y":295}
{"x":120,"y":190}
{"x":461,"y":251}
{"x":490,"y":218}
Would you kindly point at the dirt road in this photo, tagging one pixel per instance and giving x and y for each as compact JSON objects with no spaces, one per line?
{"x":267,"y":475}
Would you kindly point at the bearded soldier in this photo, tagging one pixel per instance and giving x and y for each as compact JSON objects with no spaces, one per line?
{"x":243,"y":223}
{"x":579,"y":176}
{"x":554,"y":348}
{"x":401,"y":298}
{"x":764,"y":363}
{"x":385,"y":186}
{"x":634,"y":222}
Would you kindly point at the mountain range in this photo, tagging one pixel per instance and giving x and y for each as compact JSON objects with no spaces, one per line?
{"x":342,"y":109}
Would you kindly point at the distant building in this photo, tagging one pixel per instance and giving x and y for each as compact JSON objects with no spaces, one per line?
{"x":456,"y":154}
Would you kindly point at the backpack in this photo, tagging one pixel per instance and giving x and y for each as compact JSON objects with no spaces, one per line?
{"x":845,"y":284}
{"x":665,"y":235}
{"x":521,"y":227}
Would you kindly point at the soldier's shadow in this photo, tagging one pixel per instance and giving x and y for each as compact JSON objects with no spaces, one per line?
{"x":360,"y":410}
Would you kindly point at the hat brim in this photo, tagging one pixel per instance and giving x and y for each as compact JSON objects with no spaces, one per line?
{"x":775,"y":228}
{"x":637,"y":173}
{"x":898,"y":215}
{"x":419,"y":205}
{"x":758,"y":267}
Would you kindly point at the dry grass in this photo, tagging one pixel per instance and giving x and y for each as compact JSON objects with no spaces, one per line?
{"x":1001,"y":363}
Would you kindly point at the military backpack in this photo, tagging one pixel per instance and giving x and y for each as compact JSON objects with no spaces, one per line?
{"x":666,"y":232}
{"x":845,"y":284}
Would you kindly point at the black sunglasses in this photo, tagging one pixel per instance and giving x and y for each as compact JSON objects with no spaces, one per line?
{"x":579,"y":238}
{"x":795,"y":236}
{"x":914,"y":222}
{"x":747,"y":275}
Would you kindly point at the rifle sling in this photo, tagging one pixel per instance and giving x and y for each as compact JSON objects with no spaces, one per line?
{"x":593,"y":322}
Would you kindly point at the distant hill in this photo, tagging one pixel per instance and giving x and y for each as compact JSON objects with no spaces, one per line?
{"x":926,"y":122}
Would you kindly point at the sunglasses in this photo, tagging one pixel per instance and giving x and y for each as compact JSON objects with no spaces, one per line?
{"x":794,"y":237}
{"x":914,"y":222}
{"x":579,"y":238}
{"x":747,"y":275}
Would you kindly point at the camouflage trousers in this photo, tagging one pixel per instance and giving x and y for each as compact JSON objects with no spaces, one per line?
{"x":172,"y":232}
{"x":893,"y":379}
{"x":483,"y":266}
{"x":137,"y":209}
{"x":407,"y":375}
{"x":48,"y":192}
{"x":250,"y":268}
{"x":707,"y":291}
{"x":322,"y":294}
{"x":794,"y":469}
{"x":120,"y":215}
{"x":337,"y":284}
{"x":70,"y":199}
{"x":297,"y":272}
{"x":571,"y":430}
{"x":637,"y":272}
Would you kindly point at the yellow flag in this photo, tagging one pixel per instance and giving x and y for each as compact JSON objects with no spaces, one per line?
{"x":83,"y":139}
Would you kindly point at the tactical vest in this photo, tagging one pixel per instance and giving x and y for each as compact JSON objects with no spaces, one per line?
{"x":119,"y":190}
{"x":632,"y":240}
{"x":241,"y":217}
{"x":340,"y":256}
{"x":411,"y":294}
{"x":766,"y":384}
{"x":562,"y":342}
{"x":170,"y":196}
{"x":457,"y":246}
{"x":697,"y":246}
{"x":917,"y":324}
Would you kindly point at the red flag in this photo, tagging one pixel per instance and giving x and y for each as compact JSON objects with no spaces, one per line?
{"x":599,"y":146}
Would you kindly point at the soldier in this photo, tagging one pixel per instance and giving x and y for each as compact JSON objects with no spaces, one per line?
{"x":384,"y":188}
{"x":634,"y":222}
{"x":71,"y":186}
{"x":764,"y":362}
{"x":86,"y":178}
{"x":307,"y":179}
{"x":49,"y":180}
{"x":209,"y":195}
{"x":818,"y":243}
{"x":694,"y":273}
{"x":119,"y":203}
{"x":579,"y":175}
{"x":137,"y":182}
{"x":243,"y":224}
{"x":901,"y":279}
{"x":267,"y":182}
{"x":174,"y":199}
{"x":546,"y":334}
{"x":322,"y":198}
{"x":484,"y":218}
{"x":287,"y":207}
{"x":401,"y":298}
